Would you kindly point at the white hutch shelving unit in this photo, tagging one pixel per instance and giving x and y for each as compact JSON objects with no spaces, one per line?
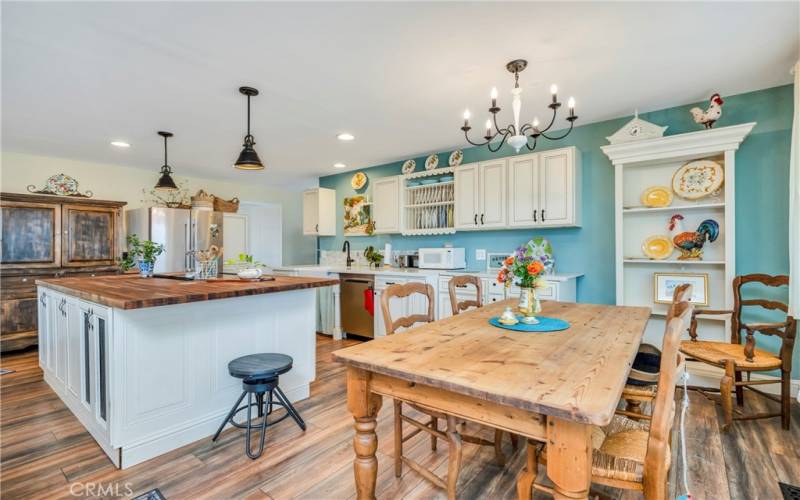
{"x":652,"y":162}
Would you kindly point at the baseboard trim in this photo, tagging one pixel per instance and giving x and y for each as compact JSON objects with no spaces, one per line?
{"x":705,"y":375}
{"x":173,"y":438}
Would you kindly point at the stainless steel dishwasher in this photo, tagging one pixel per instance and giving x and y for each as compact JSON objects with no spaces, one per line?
{"x":356,"y":320}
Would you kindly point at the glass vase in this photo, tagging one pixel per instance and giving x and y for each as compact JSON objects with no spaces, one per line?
{"x":529,"y":305}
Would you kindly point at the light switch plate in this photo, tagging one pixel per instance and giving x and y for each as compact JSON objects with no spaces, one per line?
{"x":480,"y":254}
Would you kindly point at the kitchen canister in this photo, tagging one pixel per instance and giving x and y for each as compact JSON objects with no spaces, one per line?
{"x":387,"y":254}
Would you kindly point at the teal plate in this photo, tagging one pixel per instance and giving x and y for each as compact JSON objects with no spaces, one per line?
{"x":545,"y":325}
{"x":426,"y":182}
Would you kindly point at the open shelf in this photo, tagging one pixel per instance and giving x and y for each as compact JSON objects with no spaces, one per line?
{"x":673,"y":208}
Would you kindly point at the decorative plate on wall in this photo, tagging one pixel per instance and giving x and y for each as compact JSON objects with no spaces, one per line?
{"x":432,"y":162}
{"x":698,"y":179}
{"x":456,"y":157}
{"x":359,"y":180}
{"x":657,"y":247}
{"x":656,"y":196}
{"x":409,"y":166}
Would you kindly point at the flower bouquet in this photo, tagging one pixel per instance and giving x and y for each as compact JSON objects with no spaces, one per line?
{"x":526,"y":271}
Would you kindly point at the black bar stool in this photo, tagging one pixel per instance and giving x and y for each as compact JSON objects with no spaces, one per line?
{"x":259,"y":374}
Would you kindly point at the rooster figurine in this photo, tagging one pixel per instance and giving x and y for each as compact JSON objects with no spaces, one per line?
{"x":711,"y":115}
{"x":690,"y":243}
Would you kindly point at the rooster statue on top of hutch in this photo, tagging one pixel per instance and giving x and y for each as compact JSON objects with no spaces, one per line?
{"x":711,"y":115}
{"x":690,"y":243}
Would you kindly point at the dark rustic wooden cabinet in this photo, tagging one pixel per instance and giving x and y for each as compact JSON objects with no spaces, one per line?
{"x":45,"y":237}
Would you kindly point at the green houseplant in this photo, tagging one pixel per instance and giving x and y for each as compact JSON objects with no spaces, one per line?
{"x":143,"y":253}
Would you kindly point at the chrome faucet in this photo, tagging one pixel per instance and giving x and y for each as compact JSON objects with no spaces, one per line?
{"x":346,"y":248}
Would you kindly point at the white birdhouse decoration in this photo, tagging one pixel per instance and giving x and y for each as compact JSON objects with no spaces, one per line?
{"x":635,"y":130}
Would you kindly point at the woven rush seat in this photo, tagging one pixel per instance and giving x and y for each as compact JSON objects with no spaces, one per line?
{"x":718,"y":352}
{"x":618,"y":449}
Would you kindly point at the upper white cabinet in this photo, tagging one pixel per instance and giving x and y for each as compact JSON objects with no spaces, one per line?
{"x":386,"y":205}
{"x":544,"y":189}
{"x":480,"y":195}
{"x":319,"y":212}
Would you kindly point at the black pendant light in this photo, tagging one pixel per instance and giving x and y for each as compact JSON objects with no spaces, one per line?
{"x":248,"y":158}
{"x":165,"y":182}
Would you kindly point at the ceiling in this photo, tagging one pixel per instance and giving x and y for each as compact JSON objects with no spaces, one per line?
{"x":76,"y":76}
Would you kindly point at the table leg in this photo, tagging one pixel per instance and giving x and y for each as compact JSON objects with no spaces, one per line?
{"x":569,"y":457}
{"x":528,"y":476}
{"x":364,"y":406}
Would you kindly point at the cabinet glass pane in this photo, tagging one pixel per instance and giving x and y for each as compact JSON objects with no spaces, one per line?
{"x":101,"y":356}
{"x":90,"y":235}
{"x":28,"y":235}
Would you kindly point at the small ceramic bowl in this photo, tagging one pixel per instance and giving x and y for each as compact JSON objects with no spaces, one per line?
{"x":250,"y":274}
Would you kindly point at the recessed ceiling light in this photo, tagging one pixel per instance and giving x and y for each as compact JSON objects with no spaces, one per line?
{"x":339,"y":165}
{"x":120,"y":144}
{"x":345,"y":136}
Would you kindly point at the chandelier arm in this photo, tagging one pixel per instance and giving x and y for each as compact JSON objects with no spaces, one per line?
{"x":552,"y":121}
{"x":475,"y":143}
{"x":531,"y":148}
{"x":524,"y":128}
{"x":571,"y":124}
{"x":500,"y":146}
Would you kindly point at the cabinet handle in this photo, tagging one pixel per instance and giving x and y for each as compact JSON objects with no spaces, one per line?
{"x":43,"y":301}
{"x":316,"y":228}
{"x":543,"y":215}
{"x":481,"y":219}
{"x":476,"y":219}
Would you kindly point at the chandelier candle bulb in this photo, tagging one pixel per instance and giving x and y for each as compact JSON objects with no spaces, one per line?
{"x":466,"y":119}
{"x":554,"y":91}
{"x":494,"y":97}
{"x":571,"y":106}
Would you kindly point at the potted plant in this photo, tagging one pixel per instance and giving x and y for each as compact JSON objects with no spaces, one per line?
{"x":142,"y":253}
{"x":525,"y":270}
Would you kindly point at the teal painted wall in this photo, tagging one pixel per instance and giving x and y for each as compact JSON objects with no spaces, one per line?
{"x":762,"y":197}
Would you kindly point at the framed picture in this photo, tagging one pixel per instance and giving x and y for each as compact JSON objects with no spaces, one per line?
{"x":494,"y":261}
{"x":357,"y":216}
{"x":664,"y":285}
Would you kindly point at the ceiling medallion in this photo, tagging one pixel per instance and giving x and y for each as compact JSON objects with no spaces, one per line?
{"x":248,"y":158}
{"x":165,"y":182}
{"x":515,"y":135}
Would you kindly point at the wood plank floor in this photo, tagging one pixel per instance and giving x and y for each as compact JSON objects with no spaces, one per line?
{"x":46,"y":453}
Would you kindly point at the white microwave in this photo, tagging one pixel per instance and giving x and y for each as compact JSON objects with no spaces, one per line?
{"x":441,"y":258}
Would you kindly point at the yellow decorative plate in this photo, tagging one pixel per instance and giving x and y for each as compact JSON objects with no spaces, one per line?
{"x":657,"y":247}
{"x":698,"y":179}
{"x":656,"y":196}
{"x":359,"y":180}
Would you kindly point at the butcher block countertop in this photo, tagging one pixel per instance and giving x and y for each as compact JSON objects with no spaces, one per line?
{"x":133,"y":292}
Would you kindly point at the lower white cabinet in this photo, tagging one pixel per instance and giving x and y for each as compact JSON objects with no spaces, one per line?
{"x":74,"y":355}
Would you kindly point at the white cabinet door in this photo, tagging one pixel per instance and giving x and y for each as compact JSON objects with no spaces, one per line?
{"x":445,"y":311}
{"x":73,"y":321}
{"x":397,"y":306}
{"x":556,"y":187}
{"x":523,"y":190}
{"x":386,"y":205}
{"x":417,"y":303}
{"x":235,"y":237}
{"x":310,"y":212}
{"x":492,"y":184}
{"x":60,"y":334}
{"x":466,"y":196}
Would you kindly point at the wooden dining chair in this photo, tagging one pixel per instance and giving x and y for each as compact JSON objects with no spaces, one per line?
{"x":635,"y":395}
{"x":451,"y":433}
{"x":735,"y":358}
{"x":463,"y":282}
{"x":628,"y":454}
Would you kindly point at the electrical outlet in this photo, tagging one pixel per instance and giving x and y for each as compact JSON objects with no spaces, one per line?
{"x":480,"y":254}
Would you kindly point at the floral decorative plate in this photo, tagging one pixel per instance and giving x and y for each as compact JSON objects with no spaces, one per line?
{"x":456,"y":157}
{"x":541,"y":249}
{"x":656,"y":196}
{"x":432,"y":162}
{"x":359,"y":180}
{"x":658,"y":247}
{"x":409,"y":166}
{"x":698,"y":179}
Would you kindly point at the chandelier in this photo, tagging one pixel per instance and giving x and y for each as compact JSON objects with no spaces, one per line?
{"x":516,"y":135}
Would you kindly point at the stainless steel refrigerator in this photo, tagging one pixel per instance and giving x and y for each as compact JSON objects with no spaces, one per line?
{"x":182,"y":231}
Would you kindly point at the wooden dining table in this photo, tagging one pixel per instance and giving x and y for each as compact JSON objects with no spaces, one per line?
{"x":550,"y":387}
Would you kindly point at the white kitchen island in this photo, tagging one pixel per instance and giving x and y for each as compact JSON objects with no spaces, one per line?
{"x":142,"y":362}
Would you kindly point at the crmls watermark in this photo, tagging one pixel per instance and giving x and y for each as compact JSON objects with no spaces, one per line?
{"x":91,"y":489}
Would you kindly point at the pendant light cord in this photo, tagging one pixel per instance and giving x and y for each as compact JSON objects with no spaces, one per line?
{"x":165,"y":151}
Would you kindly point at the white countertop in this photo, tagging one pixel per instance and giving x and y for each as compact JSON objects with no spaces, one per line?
{"x":393,"y":271}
